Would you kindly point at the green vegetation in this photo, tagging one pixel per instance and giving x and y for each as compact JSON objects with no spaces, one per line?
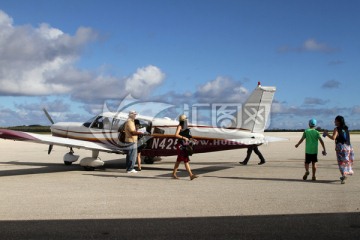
{"x":302,"y":130}
{"x":31,"y":128}
{"x":46,"y":129}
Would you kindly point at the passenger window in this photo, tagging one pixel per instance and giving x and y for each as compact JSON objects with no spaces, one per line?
{"x":106,"y":123}
{"x":116,"y":124}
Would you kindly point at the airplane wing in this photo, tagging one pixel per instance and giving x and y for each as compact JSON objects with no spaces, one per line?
{"x":52,"y":140}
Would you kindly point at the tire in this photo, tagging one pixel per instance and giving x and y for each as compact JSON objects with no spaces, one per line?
{"x":149,"y":160}
{"x":87,"y":168}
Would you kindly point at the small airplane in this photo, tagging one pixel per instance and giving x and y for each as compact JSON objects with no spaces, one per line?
{"x":100,"y":133}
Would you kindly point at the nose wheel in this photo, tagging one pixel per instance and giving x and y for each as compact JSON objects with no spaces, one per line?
{"x":69,"y":157}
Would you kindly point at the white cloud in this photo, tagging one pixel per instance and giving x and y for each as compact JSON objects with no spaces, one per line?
{"x":41,"y":61}
{"x":315,"y":101}
{"x":309,"y":45}
{"x":28,"y":113}
{"x":331,"y":84}
{"x":313,"y":45}
{"x":5,"y":20}
{"x":221,"y":90}
{"x":31,"y":57}
{"x":355,"y":110}
{"x":48,"y":32}
{"x":143,"y":81}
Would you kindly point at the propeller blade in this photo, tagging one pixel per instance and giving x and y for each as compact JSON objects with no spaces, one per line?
{"x":48,"y":116}
{"x":50,"y":148}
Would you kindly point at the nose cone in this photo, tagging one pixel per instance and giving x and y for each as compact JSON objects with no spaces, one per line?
{"x":61,"y":128}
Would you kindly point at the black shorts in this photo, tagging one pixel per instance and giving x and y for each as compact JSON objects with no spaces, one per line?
{"x":310,"y":158}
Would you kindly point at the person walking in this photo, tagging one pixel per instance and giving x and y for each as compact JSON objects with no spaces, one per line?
{"x":312,"y":137}
{"x":256,"y":150}
{"x":343,"y":148}
{"x":183,"y":133}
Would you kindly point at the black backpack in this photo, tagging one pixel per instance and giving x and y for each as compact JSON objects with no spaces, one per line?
{"x":122,"y":134}
{"x":343,"y":136}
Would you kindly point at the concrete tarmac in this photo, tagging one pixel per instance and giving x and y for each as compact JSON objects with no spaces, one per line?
{"x":41,"y":198}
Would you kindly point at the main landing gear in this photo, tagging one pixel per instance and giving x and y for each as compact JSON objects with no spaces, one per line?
{"x":88,"y":163}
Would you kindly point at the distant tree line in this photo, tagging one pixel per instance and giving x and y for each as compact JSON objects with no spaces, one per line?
{"x":31,"y":128}
{"x":46,"y":129}
{"x":302,"y":130}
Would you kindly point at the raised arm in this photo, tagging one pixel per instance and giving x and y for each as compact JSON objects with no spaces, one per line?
{"x":332,"y":137}
{"x":323,"y":146}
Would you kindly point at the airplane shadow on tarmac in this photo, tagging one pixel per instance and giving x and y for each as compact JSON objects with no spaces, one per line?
{"x":277,"y":179}
{"x":299,"y":226}
{"x":111,"y":166}
{"x":119,"y":165}
{"x":43,"y":168}
{"x":181,"y":173}
{"x":37,"y":168}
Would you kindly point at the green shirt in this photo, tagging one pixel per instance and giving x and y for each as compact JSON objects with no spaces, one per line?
{"x":312,"y":140}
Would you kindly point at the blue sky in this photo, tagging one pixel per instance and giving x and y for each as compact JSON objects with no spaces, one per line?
{"x":72,"y":56}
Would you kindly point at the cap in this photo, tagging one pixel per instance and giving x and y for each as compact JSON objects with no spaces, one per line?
{"x":312,"y":122}
{"x":132,"y":113}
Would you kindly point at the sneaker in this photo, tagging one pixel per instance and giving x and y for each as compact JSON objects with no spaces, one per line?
{"x":132,"y":171}
{"x":306,"y":175}
{"x":261,"y":163}
{"x":243,"y":163}
{"x":314,"y":178}
{"x":343,"y":179}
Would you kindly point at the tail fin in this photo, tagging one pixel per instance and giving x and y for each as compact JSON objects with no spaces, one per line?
{"x":256,"y":110}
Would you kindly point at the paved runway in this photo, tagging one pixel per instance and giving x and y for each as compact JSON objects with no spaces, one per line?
{"x":43,"y":199}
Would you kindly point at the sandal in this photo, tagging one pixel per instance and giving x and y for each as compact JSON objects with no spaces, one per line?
{"x":192,"y":177}
{"x":306,"y":175}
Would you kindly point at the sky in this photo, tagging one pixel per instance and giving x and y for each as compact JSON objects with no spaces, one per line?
{"x":72,"y":57}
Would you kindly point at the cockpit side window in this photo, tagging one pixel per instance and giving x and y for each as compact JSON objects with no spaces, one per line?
{"x":116,"y":123}
{"x":98,"y":123}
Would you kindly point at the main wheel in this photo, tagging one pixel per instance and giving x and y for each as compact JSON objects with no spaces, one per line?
{"x":87,"y":168}
{"x":149,"y":160}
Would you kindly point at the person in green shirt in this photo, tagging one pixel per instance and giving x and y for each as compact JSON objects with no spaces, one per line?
{"x":312,"y":137}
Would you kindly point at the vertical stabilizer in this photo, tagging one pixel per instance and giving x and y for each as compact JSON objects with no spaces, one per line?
{"x":256,"y":110}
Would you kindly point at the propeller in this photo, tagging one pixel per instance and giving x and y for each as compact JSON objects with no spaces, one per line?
{"x":50,"y":148}
{"x":52,"y":122}
{"x":48,"y":116}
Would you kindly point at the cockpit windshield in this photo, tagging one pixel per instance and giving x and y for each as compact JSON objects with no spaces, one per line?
{"x":101,"y":122}
{"x":89,"y":122}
